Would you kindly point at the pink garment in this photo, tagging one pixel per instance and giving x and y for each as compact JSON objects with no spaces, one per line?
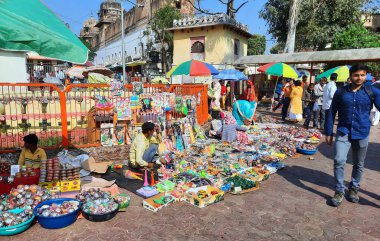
{"x":241,"y":136}
{"x":229,"y":119}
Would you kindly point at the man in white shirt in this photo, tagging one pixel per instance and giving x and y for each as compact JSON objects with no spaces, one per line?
{"x":328,"y":93}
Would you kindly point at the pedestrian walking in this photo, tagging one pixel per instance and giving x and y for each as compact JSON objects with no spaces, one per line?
{"x":309,"y":100}
{"x":279,"y":94}
{"x":295,"y":112}
{"x":304,"y":85}
{"x":353,"y":104}
{"x":286,"y":102}
{"x":318,"y":91}
{"x":328,"y":94}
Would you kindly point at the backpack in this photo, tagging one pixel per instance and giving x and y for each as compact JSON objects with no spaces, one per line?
{"x":371,"y":95}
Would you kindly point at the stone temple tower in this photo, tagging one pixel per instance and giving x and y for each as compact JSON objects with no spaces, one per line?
{"x":109,"y":12}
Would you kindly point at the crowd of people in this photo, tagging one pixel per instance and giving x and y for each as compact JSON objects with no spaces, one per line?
{"x":315,"y":100}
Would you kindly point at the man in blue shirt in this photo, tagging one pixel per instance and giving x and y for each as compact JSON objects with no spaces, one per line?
{"x":353,"y":102}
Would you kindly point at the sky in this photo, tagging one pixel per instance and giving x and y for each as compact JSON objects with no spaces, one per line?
{"x":75,"y":12}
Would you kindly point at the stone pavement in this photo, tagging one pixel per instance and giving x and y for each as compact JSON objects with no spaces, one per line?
{"x":291,"y":205}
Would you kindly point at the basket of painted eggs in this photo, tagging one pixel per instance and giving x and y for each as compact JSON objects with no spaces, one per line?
{"x":98,"y":206}
{"x":57,"y":213}
{"x":15,"y":221}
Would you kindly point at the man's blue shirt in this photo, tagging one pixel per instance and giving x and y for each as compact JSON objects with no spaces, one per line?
{"x":353,"y":110}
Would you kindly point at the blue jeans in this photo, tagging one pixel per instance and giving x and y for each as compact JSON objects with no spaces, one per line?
{"x":327,"y":113}
{"x":359,"y":150}
{"x":150,"y":152}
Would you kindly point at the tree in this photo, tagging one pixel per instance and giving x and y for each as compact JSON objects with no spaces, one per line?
{"x":256,"y":45}
{"x":355,"y":37}
{"x":278,"y":48}
{"x":231,"y":10}
{"x":292,"y":26}
{"x":92,"y":51}
{"x":318,"y":20}
{"x":162,"y":20}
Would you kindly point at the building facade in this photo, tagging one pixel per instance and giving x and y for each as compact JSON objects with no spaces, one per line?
{"x":372,"y":22}
{"x":105,"y":35}
{"x":215,"y":39}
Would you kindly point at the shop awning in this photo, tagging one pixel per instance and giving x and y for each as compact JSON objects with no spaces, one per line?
{"x":28,"y":25}
{"x":347,"y":55}
{"x":136,"y":63}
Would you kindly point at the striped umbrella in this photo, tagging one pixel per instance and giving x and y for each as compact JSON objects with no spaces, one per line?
{"x":193,"y":68}
{"x":279,"y":69}
{"x":343,"y":73}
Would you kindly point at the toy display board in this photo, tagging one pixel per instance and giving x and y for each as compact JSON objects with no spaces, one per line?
{"x":203,"y":196}
{"x":106,"y":134}
{"x":157,"y":202}
{"x":123,"y":109}
{"x":119,"y":134}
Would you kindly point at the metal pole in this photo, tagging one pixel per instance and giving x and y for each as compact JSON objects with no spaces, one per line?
{"x":122,"y":42}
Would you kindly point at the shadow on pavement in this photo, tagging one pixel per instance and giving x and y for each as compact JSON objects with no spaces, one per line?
{"x":298,"y":174}
{"x":372,"y":161}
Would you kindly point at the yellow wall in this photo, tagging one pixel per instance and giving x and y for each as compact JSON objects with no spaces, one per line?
{"x":219,"y":44}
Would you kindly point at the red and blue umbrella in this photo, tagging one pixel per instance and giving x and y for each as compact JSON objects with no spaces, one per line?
{"x":193,"y":68}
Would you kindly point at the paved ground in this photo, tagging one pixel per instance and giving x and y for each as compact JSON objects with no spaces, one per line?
{"x":291,"y":205}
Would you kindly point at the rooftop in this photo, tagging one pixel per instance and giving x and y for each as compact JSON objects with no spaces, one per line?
{"x":347,"y":55}
{"x":209,"y":20}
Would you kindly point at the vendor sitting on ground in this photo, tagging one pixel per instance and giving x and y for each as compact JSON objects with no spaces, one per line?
{"x":31,"y":155}
{"x":231,"y":131}
{"x":145,"y":146}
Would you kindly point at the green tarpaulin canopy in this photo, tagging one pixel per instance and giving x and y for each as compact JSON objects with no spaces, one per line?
{"x":28,"y":25}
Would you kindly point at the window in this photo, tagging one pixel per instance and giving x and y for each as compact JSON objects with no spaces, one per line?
{"x":135,"y":50}
{"x":237,"y":47}
{"x":198,"y":47}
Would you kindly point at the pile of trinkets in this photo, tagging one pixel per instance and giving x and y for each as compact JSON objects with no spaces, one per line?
{"x":97,"y":202}
{"x":56,"y":210}
{"x":24,"y":196}
{"x":8,"y":219}
{"x":26,"y":172}
{"x":308,"y":147}
{"x":5,"y":166}
{"x":52,"y":170}
{"x":70,"y":174}
{"x":49,"y":170}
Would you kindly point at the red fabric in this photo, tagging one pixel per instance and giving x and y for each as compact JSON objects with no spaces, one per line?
{"x":6,"y":188}
{"x":223,"y":90}
{"x":264,"y":67}
{"x":249,"y":93}
{"x":198,"y":68}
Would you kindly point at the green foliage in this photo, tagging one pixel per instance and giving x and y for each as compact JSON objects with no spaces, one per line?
{"x":278,"y":48}
{"x":355,"y":37}
{"x":162,"y":20}
{"x":92,"y":51}
{"x":256,"y":45}
{"x":318,"y":22}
